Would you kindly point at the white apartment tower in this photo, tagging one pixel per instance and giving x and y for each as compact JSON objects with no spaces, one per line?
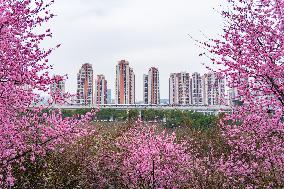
{"x":57,"y":88}
{"x":109,"y":96}
{"x":85,"y":85}
{"x":179,"y":89}
{"x":213,"y":89}
{"x":125,"y":83}
{"x":145,"y":89}
{"x":196,"y":89}
{"x":151,"y":87}
{"x":233,"y":97}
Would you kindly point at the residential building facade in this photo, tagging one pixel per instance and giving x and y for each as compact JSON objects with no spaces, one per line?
{"x":196,"y":89}
{"x":125,"y":83}
{"x":57,"y":89}
{"x":213,"y":89}
{"x":85,"y":85}
{"x":179,"y":89}
{"x":109,"y":96}
{"x":100,"y":90}
{"x":145,"y":89}
{"x":151,"y":87}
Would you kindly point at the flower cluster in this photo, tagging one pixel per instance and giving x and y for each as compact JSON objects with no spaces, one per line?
{"x":143,"y":157}
{"x":27,"y":131}
{"x":251,"y":54}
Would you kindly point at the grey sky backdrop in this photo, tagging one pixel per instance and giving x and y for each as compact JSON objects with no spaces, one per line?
{"x":144,"y":32}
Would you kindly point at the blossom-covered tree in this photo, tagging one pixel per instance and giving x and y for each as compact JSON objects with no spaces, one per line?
{"x":26,"y":132}
{"x":143,"y":157}
{"x":251,"y":54}
{"x":154,"y":160}
{"x":251,"y":49}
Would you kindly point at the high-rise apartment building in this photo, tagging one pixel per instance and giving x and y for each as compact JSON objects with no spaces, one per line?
{"x":57,"y":89}
{"x":109,"y":96}
{"x":85,"y":85}
{"x":213,"y":89}
{"x":100,"y":90}
{"x":131,"y":86}
{"x":125,"y":83}
{"x":179,"y":85}
{"x":151,"y":87}
{"x":233,"y":98}
{"x":196,"y":89}
{"x":145,"y":89}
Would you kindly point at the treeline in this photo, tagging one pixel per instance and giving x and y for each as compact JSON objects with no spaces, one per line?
{"x":170,"y":118}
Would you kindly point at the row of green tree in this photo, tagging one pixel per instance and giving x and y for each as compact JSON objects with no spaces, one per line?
{"x":171,"y":118}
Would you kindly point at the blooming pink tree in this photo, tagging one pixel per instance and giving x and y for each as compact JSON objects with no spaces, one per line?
{"x":256,"y":156}
{"x":25,"y":131}
{"x":251,"y":49}
{"x":144,"y":157}
{"x":154,"y":160}
{"x":251,"y":54}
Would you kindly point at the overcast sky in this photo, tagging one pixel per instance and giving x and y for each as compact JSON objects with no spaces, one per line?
{"x":144,"y":32}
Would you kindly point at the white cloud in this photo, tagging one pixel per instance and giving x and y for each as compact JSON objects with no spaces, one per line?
{"x":145,"y":32}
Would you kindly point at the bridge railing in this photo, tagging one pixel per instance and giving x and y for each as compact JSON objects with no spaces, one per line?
{"x":203,"y":108}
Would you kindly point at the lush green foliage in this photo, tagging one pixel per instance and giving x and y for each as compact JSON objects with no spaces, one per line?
{"x":171,"y":118}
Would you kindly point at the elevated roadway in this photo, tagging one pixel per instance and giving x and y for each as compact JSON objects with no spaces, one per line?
{"x":201,"y":109}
